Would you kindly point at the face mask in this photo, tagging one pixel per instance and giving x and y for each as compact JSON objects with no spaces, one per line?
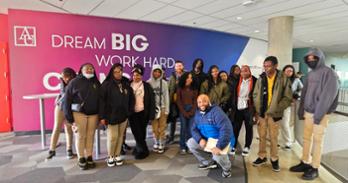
{"x":88,"y":76}
{"x":312,"y":64}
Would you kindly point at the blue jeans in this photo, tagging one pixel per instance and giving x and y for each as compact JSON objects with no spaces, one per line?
{"x":205,"y":157}
{"x":185,"y":130}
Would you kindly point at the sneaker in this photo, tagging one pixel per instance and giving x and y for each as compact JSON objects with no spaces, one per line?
{"x":90,"y":162}
{"x":226,"y":174}
{"x":69,"y":154}
{"x":51,"y":154}
{"x":110,"y":161}
{"x":155,"y":148}
{"x":302,"y":167}
{"x":232,"y":152}
{"x":245,"y":151}
{"x":311,"y":174}
{"x":287,"y":148}
{"x":183,"y":151}
{"x":82,"y":163}
{"x":275,"y":165}
{"x":161,"y":148}
{"x":118,"y":160}
{"x":259,"y":161}
{"x":210,"y":165}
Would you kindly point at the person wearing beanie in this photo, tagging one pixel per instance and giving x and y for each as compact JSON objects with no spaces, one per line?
{"x":144,"y":110}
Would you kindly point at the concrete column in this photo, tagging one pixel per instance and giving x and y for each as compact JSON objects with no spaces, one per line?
{"x":280,"y":39}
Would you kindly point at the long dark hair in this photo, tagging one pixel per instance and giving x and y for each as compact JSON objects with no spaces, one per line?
{"x":293,"y":77}
{"x":195,"y":63}
{"x":210,"y":77}
{"x":233,"y":67}
{"x":183,"y":78}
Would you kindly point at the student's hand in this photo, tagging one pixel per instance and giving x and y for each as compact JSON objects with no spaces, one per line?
{"x":74,"y":128}
{"x":216,"y":151}
{"x":256,"y":119}
{"x":202,"y":143}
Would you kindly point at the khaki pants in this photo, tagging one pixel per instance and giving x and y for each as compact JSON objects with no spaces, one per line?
{"x":59,"y":119}
{"x":159,"y":126}
{"x":115,"y":138}
{"x":86,"y":126}
{"x":265,"y":124}
{"x":313,"y":135}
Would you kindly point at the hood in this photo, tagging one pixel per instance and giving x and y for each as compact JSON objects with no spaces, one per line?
{"x":154,"y":67}
{"x":318,"y":53}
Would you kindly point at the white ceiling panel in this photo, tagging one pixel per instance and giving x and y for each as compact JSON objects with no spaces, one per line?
{"x":183,"y":17}
{"x":217,"y":6}
{"x":74,"y":6}
{"x":112,"y":7}
{"x":140,"y":9}
{"x":162,"y":13}
{"x":191,"y":4}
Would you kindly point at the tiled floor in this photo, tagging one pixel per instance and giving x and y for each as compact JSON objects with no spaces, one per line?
{"x":22,"y":160}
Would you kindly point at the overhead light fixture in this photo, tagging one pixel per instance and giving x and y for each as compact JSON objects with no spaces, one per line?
{"x":311,"y":41}
{"x":256,"y":31}
{"x":248,"y":2}
{"x":239,"y":18}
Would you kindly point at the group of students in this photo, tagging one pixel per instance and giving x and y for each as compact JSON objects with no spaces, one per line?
{"x":212,"y":104}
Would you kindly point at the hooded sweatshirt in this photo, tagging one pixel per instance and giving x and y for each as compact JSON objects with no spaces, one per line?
{"x":320,"y":90}
{"x":161,"y":92}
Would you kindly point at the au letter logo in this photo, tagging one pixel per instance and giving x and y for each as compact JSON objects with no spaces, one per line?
{"x":25,"y":36}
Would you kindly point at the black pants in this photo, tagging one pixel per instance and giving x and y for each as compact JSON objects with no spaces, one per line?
{"x":246,"y":116}
{"x":138,"y":126}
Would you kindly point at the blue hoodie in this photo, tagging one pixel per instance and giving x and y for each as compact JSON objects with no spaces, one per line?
{"x":214,"y":123}
{"x":320,"y":90}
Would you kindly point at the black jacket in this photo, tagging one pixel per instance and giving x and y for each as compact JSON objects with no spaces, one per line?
{"x":149,"y":102}
{"x":82,"y":90}
{"x":116,"y":106}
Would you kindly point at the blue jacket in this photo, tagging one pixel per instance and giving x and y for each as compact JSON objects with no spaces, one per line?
{"x":214,"y":123}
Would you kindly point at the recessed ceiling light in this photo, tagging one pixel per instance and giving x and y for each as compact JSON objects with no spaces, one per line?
{"x":239,"y":18}
{"x":256,"y":31}
{"x":311,"y":41}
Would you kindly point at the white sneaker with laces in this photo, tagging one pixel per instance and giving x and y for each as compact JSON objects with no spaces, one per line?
{"x":110,"y":161}
{"x":118,"y":160}
{"x":245,"y":151}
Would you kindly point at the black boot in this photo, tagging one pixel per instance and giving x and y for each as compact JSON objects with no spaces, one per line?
{"x":302,"y":167}
{"x":311,"y":174}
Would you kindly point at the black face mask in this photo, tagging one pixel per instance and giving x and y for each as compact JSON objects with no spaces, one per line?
{"x":312,"y":64}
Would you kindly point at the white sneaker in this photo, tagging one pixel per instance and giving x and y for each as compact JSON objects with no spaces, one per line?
{"x":232,"y":152}
{"x":110,"y":161}
{"x":155,"y":147}
{"x":161,"y":148}
{"x":118,"y":160}
{"x":245,"y":151}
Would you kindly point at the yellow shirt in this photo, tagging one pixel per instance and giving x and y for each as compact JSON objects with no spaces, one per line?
{"x":270,"y":82}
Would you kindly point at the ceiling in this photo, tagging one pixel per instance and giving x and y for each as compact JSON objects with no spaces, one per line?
{"x":321,"y":23}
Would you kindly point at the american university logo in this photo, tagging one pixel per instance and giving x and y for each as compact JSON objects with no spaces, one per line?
{"x":25,"y":36}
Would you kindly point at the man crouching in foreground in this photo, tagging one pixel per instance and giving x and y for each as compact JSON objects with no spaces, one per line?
{"x":210,"y":122}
